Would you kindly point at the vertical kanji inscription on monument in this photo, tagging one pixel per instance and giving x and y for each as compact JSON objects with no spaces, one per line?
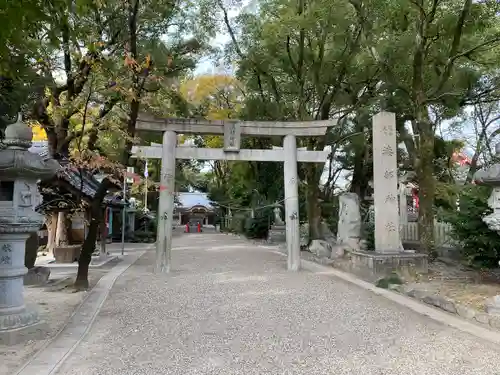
{"x":385,"y":181}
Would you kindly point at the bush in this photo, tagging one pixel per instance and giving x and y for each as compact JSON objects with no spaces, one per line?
{"x":237,"y":224}
{"x":369,"y":235}
{"x":256,"y":227}
{"x":480,"y":246}
{"x":143,"y":236}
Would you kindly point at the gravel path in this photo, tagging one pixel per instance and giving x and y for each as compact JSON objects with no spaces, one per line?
{"x":231,"y":308}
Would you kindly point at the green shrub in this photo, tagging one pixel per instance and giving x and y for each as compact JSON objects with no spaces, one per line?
{"x":480,"y":246}
{"x":143,"y":236}
{"x":369,"y":235}
{"x":237,"y":224}
{"x":392,"y":279}
{"x":256,"y":227}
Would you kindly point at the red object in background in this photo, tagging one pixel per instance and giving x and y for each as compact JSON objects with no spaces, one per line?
{"x":187,"y":228}
{"x":461,"y":158}
{"x":199,"y":227}
{"x":415,"y":198}
{"x":136,"y":177}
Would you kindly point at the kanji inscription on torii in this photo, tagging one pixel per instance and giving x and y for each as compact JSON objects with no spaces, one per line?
{"x":232,"y":136}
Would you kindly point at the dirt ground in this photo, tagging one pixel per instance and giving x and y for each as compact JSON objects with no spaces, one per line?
{"x":55,"y":302}
{"x":447,"y":278}
{"x":461,"y":284}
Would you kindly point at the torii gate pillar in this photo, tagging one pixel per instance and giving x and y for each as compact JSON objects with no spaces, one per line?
{"x":166,"y":205}
{"x":291,"y":202}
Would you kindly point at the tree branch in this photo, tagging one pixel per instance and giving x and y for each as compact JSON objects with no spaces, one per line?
{"x":453,"y":54}
{"x":257,"y":66}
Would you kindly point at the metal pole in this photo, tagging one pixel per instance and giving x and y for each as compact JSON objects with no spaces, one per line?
{"x":146,"y":195}
{"x":123,"y":211}
{"x":146,"y":175}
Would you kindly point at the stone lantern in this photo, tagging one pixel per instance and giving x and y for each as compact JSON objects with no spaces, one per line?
{"x":19,"y":172}
{"x":277,"y":232}
{"x":491,"y":177}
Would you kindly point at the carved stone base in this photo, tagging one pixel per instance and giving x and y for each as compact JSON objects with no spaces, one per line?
{"x":20,"y":327}
{"x":277,"y":234}
{"x":376,"y":264}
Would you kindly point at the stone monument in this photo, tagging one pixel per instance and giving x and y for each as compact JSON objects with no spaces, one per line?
{"x":277,"y":232}
{"x":388,"y":255}
{"x":349,"y":226}
{"x":491,"y":177}
{"x":277,"y":215}
{"x":19,"y":172}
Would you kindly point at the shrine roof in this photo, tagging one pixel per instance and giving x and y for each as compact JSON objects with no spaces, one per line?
{"x":78,"y":178}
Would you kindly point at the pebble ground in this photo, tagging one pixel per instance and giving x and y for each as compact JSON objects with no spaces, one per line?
{"x":230,"y":308}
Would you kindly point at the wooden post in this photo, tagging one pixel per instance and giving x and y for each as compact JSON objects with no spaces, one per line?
{"x":166,"y":207}
{"x":291,"y":203}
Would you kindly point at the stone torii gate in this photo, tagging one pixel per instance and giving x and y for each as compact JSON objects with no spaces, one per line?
{"x":232,"y":131}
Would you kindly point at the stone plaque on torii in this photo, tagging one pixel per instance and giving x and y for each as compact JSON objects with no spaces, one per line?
{"x":232,"y":131}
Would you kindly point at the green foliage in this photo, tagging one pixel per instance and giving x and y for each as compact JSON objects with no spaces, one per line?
{"x":480,"y":245}
{"x":145,"y":236}
{"x":257,"y":227}
{"x":237,"y":224}
{"x":369,"y":235}
{"x":392,"y":279}
{"x":446,"y":196}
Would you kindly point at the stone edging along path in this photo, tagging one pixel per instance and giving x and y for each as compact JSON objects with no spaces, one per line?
{"x":406,"y":300}
{"x":52,"y":355}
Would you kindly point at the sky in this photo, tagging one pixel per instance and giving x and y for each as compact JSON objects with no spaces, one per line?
{"x":206,"y":65}
{"x":192,"y":199}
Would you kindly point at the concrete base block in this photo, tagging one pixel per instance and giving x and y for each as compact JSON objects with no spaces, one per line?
{"x":378,"y":264}
{"x":277,"y":234}
{"x":21,"y":327}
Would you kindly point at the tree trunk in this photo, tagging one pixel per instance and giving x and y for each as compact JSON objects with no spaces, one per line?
{"x":104,"y":232}
{"x":68,"y":223}
{"x":51,"y":224}
{"x":82,"y":276}
{"x":31,"y":250}
{"x":425,"y":174}
{"x":313,"y":207}
{"x":61,"y":230}
{"x":360,"y":177}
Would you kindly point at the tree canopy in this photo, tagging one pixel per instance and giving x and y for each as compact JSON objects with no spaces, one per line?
{"x":82,"y":71}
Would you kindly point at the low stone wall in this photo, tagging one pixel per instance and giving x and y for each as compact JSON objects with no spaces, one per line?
{"x":443,"y":252}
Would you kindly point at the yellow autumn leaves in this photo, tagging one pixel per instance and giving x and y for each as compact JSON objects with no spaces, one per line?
{"x":219,"y":93}
{"x":39,"y":133}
